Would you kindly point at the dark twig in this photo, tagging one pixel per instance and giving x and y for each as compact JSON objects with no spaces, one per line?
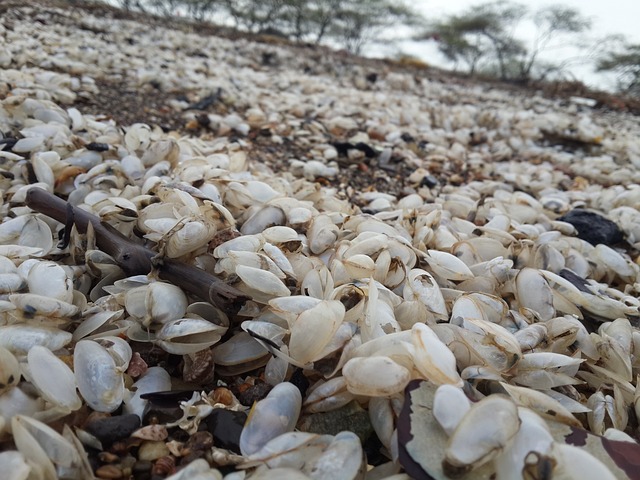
{"x":135,"y":259}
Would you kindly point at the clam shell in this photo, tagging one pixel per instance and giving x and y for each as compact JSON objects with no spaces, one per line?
{"x":98,"y":378}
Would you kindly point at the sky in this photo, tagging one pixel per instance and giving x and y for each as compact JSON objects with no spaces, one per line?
{"x":608,"y":17}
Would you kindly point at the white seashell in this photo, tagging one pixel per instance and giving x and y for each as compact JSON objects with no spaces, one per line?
{"x":533,"y":441}
{"x":432,"y":357}
{"x":19,"y":339}
{"x":272,"y":416}
{"x":188,"y":335}
{"x":574,"y":462}
{"x":342,"y":458}
{"x":50,"y":280}
{"x":375,"y":376}
{"x":99,"y":380}
{"x":53,"y":378}
{"x":329,"y":395}
{"x":157,"y":302}
{"x":155,"y":379}
{"x":313,"y":329}
{"x":15,"y":464}
{"x":263,"y":285}
{"x":448,"y":266}
{"x":450,"y":405}
{"x":26,"y":231}
{"x":422,"y":286}
{"x":487,"y":429}
{"x":322,"y":234}
{"x":533,"y":291}
{"x":10,"y":372}
{"x":541,"y":403}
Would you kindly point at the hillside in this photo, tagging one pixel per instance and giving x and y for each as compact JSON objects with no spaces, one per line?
{"x":413,"y":274}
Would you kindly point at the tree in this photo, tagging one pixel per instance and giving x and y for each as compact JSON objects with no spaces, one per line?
{"x":624,"y":61}
{"x":483,"y":38}
{"x":357,"y":22}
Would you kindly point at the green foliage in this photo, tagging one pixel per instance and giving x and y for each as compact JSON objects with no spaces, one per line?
{"x":483,"y":38}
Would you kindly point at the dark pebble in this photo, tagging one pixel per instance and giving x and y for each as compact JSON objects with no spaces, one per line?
{"x":429,"y":181}
{"x":593,"y":228}
{"x":300,"y":380}
{"x":97,"y":147}
{"x":111,"y":429}
{"x":226,"y":426}
{"x":254,"y":393}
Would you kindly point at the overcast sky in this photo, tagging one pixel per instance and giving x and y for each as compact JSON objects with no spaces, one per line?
{"x":608,"y":17}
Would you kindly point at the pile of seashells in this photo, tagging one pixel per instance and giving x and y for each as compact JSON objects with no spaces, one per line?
{"x":464,"y":322}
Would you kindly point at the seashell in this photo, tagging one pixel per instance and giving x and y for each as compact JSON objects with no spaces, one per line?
{"x":98,"y":377}
{"x":260,"y":284}
{"x":38,"y":307}
{"x":50,"y":280}
{"x":328,"y":395}
{"x":375,"y":376}
{"x":343,"y":458}
{"x":53,"y":378}
{"x":157,"y":302}
{"x":322,"y":234}
{"x":448,"y":266}
{"x":241,"y":353}
{"x":10,"y":372}
{"x":43,"y":446}
{"x":14,"y":462}
{"x":19,"y":339}
{"x":26,"y":231}
{"x":262,"y":219}
{"x":272,"y":416}
{"x":533,"y":291}
{"x":313,"y":329}
{"x":450,"y":405}
{"x":188,"y":335}
{"x":155,"y":379}
{"x":546,"y":370}
{"x":542,"y":404}
{"x":488,"y":428}
{"x":533,"y":441}
{"x":423,"y":287}
{"x":432,"y":357}
{"x":575,"y":462}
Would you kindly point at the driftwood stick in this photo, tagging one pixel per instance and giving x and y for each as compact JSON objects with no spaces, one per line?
{"x":135,"y":259}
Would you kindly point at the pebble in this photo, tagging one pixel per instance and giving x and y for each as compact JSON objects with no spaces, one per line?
{"x":226,"y":427}
{"x":152,"y":450}
{"x":111,"y":429}
{"x":593,"y":227}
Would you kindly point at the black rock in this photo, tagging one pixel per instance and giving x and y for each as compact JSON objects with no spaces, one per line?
{"x":226,"y":427}
{"x":112,"y":429}
{"x":300,"y":380}
{"x":97,"y":147}
{"x":593,"y":228}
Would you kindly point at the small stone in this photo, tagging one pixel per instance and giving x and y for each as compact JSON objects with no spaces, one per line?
{"x":254,"y":393}
{"x":593,"y":228}
{"x":226,"y":426}
{"x":150,"y":451}
{"x":111,"y":429}
{"x":109,"y":472}
{"x":141,"y":466}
